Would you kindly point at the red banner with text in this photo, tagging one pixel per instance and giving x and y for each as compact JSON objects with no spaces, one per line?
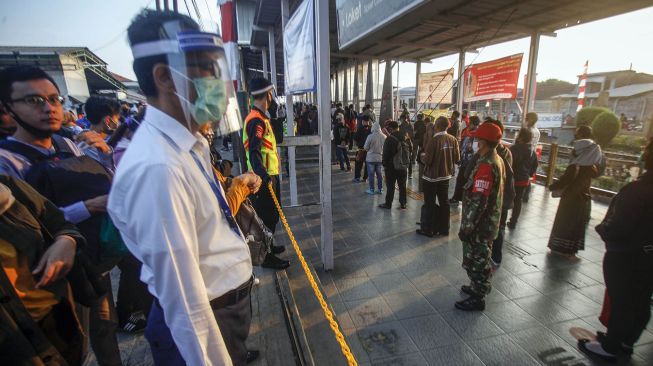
{"x":496,"y":79}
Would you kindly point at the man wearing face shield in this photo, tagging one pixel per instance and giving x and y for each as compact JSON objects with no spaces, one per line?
{"x":169,"y":206}
{"x":261,"y":150}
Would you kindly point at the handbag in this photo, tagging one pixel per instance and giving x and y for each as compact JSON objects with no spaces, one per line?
{"x":258,"y":236}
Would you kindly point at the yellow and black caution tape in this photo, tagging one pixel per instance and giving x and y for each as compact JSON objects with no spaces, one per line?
{"x":325,"y":308}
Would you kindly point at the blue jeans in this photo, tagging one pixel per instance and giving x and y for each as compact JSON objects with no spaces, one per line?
{"x":163,"y":347}
{"x":372,"y":169}
{"x":341,"y":153}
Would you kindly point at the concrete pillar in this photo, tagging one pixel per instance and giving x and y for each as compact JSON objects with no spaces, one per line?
{"x":531,"y":75}
{"x":386,"y":111}
{"x":356,"y":93}
{"x":461,"y":81}
{"x":323,"y":58}
{"x":264,"y":59}
{"x":418,"y":70}
{"x":345,"y":86}
{"x":337,"y":96}
{"x":273,"y":59}
{"x":290,"y":118}
{"x":369,"y":87}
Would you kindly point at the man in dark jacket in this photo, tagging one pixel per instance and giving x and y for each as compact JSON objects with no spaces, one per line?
{"x":524,"y":165}
{"x":341,"y":137}
{"x":394,"y":174}
{"x":454,"y":126}
{"x":627,"y":266}
{"x":407,"y":130}
{"x":360,"y":137}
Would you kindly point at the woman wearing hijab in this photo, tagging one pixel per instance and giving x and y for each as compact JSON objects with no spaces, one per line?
{"x":573,"y":188}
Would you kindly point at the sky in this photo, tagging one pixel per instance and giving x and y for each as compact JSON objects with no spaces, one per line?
{"x":609,"y":44}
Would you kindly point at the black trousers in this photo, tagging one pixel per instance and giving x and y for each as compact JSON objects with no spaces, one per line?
{"x":460,"y":183}
{"x":133,"y":295}
{"x":629,"y":282}
{"x":517,"y":204}
{"x":440,"y":210}
{"x":393,"y":176}
{"x":497,"y":246}
{"x":264,"y":204}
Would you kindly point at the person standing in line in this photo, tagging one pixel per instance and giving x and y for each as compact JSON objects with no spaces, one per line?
{"x":466,"y":153}
{"x":573,"y":188}
{"x":341,"y":137}
{"x":524,"y":165}
{"x":395,"y":172}
{"x":440,"y":155}
{"x":374,"y":158}
{"x":454,"y":126}
{"x":407,"y":130}
{"x":428,"y":130}
{"x":627,"y":266}
{"x":361,"y":136}
{"x":531,"y":121}
{"x":481,"y":214}
{"x":169,"y":207}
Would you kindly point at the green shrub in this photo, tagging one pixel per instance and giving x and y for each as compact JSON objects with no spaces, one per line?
{"x":585,"y":116}
{"x":605,"y":127}
{"x":608,"y":183}
{"x":627,"y":144}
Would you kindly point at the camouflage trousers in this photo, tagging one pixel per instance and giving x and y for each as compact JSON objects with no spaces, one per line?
{"x":476,"y":261}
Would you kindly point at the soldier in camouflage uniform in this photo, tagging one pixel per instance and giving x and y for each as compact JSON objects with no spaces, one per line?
{"x":482,"y":200}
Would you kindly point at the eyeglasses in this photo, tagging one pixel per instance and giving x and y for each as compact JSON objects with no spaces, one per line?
{"x":38,"y":101}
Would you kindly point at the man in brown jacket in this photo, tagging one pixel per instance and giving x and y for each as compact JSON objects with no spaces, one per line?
{"x":440,"y":155}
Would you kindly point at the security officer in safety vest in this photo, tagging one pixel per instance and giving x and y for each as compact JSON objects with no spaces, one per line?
{"x":261,"y":152}
{"x":483,"y":198}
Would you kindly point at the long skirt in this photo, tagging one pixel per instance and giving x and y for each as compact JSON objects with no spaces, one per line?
{"x":572,"y":218}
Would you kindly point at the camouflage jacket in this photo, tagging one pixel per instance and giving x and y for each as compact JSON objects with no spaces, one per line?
{"x":483,"y":199}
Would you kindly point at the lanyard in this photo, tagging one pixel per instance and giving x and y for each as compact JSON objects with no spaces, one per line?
{"x":218,"y":194}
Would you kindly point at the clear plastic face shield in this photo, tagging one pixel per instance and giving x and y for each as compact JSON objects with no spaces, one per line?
{"x":200,"y":73}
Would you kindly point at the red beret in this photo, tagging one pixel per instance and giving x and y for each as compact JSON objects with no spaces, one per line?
{"x":489,"y":132}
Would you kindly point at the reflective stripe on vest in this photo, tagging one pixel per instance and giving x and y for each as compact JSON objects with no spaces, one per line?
{"x":269,"y":156}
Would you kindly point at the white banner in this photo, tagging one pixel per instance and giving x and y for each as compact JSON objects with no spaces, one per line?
{"x":435,"y":87}
{"x":299,"y":50}
{"x":549,"y":120}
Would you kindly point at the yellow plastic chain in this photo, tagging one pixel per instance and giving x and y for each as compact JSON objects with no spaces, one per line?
{"x":325,"y":308}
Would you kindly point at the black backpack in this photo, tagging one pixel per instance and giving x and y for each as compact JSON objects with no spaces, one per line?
{"x":401,"y":159}
{"x":64,"y":179}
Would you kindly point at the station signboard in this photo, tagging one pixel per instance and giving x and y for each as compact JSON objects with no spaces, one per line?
{"x":435,"y":87}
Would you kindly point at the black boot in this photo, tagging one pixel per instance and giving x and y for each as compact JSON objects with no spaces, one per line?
{"x":278,"y":249}
{"x":467,"y":289}
{"x":271,"y":261}
{"x":472,"y":303}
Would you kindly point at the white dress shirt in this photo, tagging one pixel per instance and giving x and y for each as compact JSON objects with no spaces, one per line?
{"x":171,"y":221}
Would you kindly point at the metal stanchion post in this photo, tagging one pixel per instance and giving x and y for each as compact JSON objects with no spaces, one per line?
{"x":553,"y":157}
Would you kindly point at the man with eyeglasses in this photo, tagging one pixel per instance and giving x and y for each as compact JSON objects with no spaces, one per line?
{"x":31,"y":97}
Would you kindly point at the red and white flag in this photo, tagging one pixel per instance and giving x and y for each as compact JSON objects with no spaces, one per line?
{"x":581,"y":88}
{"x":230,"y":38}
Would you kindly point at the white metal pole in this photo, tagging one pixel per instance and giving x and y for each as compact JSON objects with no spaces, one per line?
{"x":273,"y":58}
{"x":264,"y":59}
{"x":461,"y":81}
{"x":290,"y":118}
{"x":531,"y":75}
{"x":418,"y":70}
{"x":324,"y":110}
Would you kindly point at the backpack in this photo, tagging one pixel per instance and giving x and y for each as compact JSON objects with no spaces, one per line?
{"x":64,"y":179}
{"x":401,"y":159}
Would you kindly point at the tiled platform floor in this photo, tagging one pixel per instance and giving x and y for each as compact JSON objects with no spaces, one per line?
{"x":394,"y":291}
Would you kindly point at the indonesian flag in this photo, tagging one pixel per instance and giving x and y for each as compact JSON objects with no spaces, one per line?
{"x":581,"y":88}
{"x":230,"y":38}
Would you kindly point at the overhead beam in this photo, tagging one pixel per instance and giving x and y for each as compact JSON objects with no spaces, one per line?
{"x":489,"y":24}
{"x":371,"y":57}
{"x":425,"y":45}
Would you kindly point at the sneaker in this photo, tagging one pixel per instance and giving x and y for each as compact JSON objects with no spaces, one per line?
{"x":348,"y":170}
{"x":379,"y":191}
{"x":594,"y":349}
{"x":511,"y":225}
{"x":356,"y":180}
{"x":383,"y":205}
{"x":370,"y":191}
{"x":472,"y":303}
{"x":136,"y":323}
{"x":625,"y":349}
{"x":424,"y":233}
{"x":402,"y":207}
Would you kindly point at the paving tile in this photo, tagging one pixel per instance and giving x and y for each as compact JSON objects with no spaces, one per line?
{"x":355,"y":346}
{"x":576,"y":302}
{"x":408,"y":304}
{"x":513,"y":287}
{"x":471,"y":325}
{"x":369,"y":311}
{"x":393,"y":282}
{"x":595,"y":293}
{"x":443,"y":299}
{"x":430,"y":331}
{"x":342,"y":314}
{"x":548,"y":348}
{"x":410,"y":359}
{"x":500,"y":351}
{"x":544,"y":309}
{"x":572,"y":276}
{"x":385,"y":340}
{"x":356,"y":288}
{"x":427,"y":281}
{"x":544,"y":283}
{"x":563,"y":330}
{"x":510,"y":317}
{"x":455,"y":354}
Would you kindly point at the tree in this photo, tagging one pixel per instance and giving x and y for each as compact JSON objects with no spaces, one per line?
{"x":552,"y":87}
{"x":605,"y":127}
{"x":585,"y":116}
